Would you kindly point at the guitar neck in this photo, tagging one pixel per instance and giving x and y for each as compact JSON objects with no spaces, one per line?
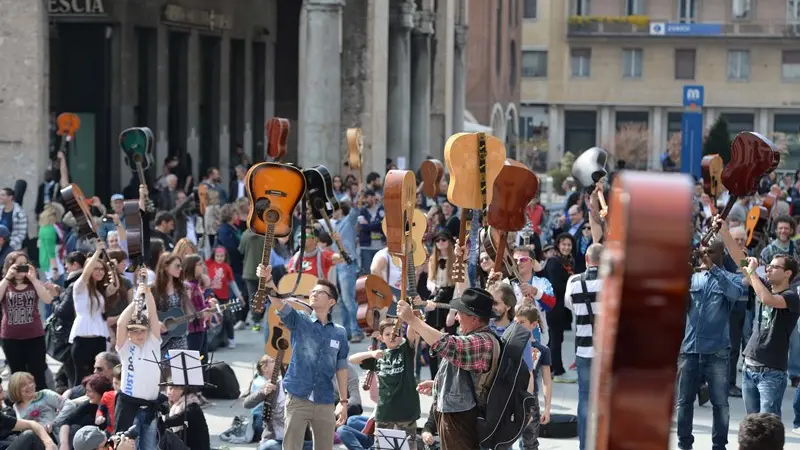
{"x":266,"y":252}
{"x":270,"y":399}
{"x":458,"y":268}
{"x":482,"y":166}
{"x":411,"y":274}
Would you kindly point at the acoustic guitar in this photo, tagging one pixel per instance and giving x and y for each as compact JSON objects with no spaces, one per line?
{"x":373,"y":295}
{"x":355,"y":145}
{"x":513,"y":188}
{"x":638,"y":336}
{"x":177,"y":322}
{"x":752,"y":157}
{"x":75,"y":202}
{"x":304,"y":285}
{"x":400,"y":198}
{"x":589,"y":168}
{"x":68,"y":124}
{"x":137,"y":144}
{"x":278,"y":332}
{"x":431,"y":171}
{"x":473,"y":160}
{"x":419,"y":226}
{"x":757,"y":222}
{"x":491,"y":242}
{"x":319,"y":191}
{"x":278,"y":130}
{"x":711,"y":167}
{"x":134,"y":228}
{"x":274,"y":191}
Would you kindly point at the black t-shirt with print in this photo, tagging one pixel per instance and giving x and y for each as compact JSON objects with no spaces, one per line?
{"x":769,"y":343}
{"x":7,"y":424}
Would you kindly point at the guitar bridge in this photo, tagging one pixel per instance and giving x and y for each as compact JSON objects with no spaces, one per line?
{"x":274,"y":193}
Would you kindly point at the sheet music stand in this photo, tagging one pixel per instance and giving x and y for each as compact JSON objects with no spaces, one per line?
{"x":390,"y":439}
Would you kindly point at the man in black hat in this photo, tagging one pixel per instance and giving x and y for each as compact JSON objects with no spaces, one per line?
{"x":462,"y":358}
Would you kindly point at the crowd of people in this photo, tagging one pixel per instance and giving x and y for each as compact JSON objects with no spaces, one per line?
{"x":56,"y":301}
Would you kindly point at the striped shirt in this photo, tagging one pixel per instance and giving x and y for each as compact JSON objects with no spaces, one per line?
{"x":581,"y":302}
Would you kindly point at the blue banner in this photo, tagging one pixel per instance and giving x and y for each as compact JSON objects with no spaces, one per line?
{"x":685,"y":29}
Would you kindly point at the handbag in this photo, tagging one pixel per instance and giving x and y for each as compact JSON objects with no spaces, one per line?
{"x":171,"y":441}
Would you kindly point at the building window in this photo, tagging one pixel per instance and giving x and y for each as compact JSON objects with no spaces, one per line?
{"x":674,"y":123}
{"x":534,"y":63}
{"x":530,"y":9}
{"x":512,"y":66}
{"x":684,"y":64}
{"x":741,"y":9}
{"x":738,"y":65}
{"x":790,"y":65}
{"x":634,"y":8}
{"x":632,"y":117}
{"x":581,"y":7}
{"x":580,"y":131}
{"x":580,"y":62}
{"x":632,"y":63}
{"x":738,"y":122}
{"x":687,"y":11}
{"x":793,"y":11}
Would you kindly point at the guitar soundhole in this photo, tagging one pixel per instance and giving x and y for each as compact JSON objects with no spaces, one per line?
{"x":282,"y":344}
{"x":273,"y":216}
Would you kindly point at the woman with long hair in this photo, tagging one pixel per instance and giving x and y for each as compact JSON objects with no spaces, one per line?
{"x":89,"y":332}
{"x":184,"y":247}
{"x":440,"y":284}
{"x":21,"y":330}
{"x":192,"y":274}
{"x":169,"y":293}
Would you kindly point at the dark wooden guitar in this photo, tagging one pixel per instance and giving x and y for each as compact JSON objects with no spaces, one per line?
{"x":431,"y":171}
{"x":177,"y":322}
{"x":319,"y":191}
{"x":278,"y":130}
{"x":473,"y":160}
{"x":355,"y":144}
{"x":373,"y":295}
{"x":589,"y":168}
{"x":75,"y":202}
{"x":638,"y":336}
{"x":137,"y":144}
{"x":514,"y":188}
{"x":711,"y":167}
{"x":752,"y":156}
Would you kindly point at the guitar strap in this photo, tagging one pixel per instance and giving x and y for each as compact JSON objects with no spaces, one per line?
{"x":298,"y":266}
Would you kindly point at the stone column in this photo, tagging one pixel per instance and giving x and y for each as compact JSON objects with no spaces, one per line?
{"x":24,"y":98}
{"x":459,"y":77}
{"x":658,"y":137}
{"x":225,"y":108}
{"x":421,"y":87}
{"x":401,"y":22}
{"x":442,"y":83}
{"x":320,"y":83}
{"x":256,"y":154}
{"x":555,"y":136}
{"x":193,"y":103}
{"x":161,"y":131}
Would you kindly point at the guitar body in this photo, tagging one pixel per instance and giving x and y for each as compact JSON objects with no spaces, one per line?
{"x":278,"y":130}
{"x":461,"y":153}
{"x":419,"y":225}
{"x":590,"y":167}
{"x":752,"y":156}
{"x":278,"y":331}
{"x":76,"y":203}
{"x":633,"y":374}
{"x":354,"y":146}
{"x":277,"y":187}
{"x":431,"y":171}
{"x":137,"y":144}
{"x":287,"y":283}
{"x":399,"y":188}
{"x":755,"y":225}
{"x":134,"y":229}
{"x":168,"y":318}
{"x":514,"y":188}
{"x":491,"y":242}
{"x":319,"y":191}
{"x":711,"y":166}
{"x":374,"y":296}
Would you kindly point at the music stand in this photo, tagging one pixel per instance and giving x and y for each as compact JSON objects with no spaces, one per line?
{"x":390,"y":439}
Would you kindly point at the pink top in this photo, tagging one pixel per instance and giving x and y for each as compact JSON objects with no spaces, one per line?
{"x":21,"y":314}
{"x":200,"y":303}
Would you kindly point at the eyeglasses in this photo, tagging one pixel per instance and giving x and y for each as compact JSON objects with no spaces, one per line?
{"x":586,"y":228}
{"x":522,"y":259}
{"x":319,"y":291}
{"x":774,"y":267}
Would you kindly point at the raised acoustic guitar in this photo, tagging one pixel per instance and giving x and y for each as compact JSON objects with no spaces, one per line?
{"x":431,"y":171}
{"x":638,"y":335}
{"x":68,"y":124}
{"x":419,"y":226}
{"x":275,"y":347}
{"x":137,"y":143}
{"x":473,"y":160}
{"x":278,"y":130}
{"x":589,"y":168}
{"x":757,"y":222}
{"x":319,"y":191}
{"x":711,"y":167}
{"x":177,"y":322}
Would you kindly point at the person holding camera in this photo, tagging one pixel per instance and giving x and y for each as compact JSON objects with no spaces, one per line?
{"x":22,"y":331}
{"x":93,"y":438}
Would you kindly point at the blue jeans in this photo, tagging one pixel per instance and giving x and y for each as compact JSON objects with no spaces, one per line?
{"x":584,"y":367}
{"x":351,"y":434}
{"x":347,"y":275}
{"x":148,"y":437}
{"x":762,"y":389}
{"x":794,"y":353}
{"x":692,"y":370}
{"x":796,"y":406}
{"x":366,"y":259}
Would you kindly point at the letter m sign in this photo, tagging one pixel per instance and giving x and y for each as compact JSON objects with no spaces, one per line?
{"x":693,"y":96}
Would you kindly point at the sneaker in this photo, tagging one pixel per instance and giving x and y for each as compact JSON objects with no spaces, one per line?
{"x":239,"y":325}
{"x":564,"y":379}
{"x":231,"y":344}
{"x":256,"y":328}
{"x":796,"y":430}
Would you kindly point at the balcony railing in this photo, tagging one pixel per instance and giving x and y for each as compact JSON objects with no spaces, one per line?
{"x":631,"y":26}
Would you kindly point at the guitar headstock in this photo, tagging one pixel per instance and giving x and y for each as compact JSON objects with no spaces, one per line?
{"x":68,"y":123}
{"x":355,"y":145}
{"x":400,"y":198}
{"x":278,"y":130}
{"x":137,"y":144}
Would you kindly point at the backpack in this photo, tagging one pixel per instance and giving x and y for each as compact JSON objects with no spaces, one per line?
{"x":226,"y":386}
{"x":561,"y":426}
{"x":508,"y":406}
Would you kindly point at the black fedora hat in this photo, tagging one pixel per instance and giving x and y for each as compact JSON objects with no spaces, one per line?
{"x":475,"y":302}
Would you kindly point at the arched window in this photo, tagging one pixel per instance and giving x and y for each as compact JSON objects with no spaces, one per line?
{"x":512,"y":66}
{"x":498,"y":45}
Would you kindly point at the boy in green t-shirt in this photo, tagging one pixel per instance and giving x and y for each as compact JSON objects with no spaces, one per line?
{"x":398,"y":400}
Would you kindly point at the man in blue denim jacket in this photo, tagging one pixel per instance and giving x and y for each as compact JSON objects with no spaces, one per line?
{"x":319,"y":354}
{"x":705,"y":349}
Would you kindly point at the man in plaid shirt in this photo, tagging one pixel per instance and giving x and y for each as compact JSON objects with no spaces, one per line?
{"x":466,"y":361}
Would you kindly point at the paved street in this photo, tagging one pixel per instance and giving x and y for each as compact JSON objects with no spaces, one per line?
{"x":250,"y":347}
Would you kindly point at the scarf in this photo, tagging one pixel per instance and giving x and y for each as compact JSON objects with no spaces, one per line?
{"x":180,"y":406}
{"x":568,"y":262}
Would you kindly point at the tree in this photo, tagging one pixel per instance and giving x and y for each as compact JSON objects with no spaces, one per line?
{"x":631,"y":144}
{"x":719,"y":141}
{"x":533,"y":153}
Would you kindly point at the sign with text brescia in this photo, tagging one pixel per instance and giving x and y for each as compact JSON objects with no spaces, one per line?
{"x":76,"y":8}
{"x":197,"y":17}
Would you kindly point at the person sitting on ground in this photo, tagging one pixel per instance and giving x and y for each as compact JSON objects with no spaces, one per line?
{"x":185,"y":414}
{"x":272,"y":437}
{"x":30,"y":404}
{"x":95,"y":385}
{"x":761,"y":431}
{"x":32,"y":435}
